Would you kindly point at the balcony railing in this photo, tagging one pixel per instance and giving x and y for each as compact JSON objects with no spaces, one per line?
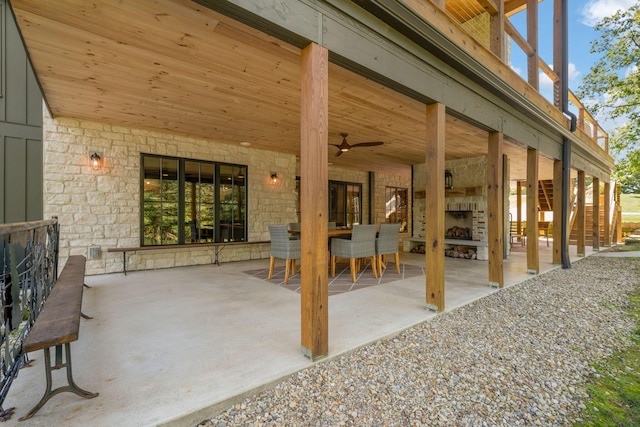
{"x":479,"y":18}
{"x":28,"y":271}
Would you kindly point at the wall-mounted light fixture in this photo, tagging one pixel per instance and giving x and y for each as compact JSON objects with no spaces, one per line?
{"x":448,"y":179}
{"x":275,"y":180}
{"x":96,"y":161}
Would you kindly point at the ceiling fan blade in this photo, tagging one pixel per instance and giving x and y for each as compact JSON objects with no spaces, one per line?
{"x":339,"y":153}
{"x":367,"y":144}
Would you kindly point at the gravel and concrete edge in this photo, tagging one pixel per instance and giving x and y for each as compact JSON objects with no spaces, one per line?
{"x":520,"y":356}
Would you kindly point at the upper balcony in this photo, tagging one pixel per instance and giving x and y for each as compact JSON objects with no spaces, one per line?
{"x":495,"y":42}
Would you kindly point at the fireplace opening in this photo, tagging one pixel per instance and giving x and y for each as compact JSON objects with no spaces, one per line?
{"x":460,"y":233}
{"x":459,"y":225}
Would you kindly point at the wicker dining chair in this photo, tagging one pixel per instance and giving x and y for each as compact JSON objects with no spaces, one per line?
{"x":361,"y":245}
{"x":387,"y":244}
{"x":284,"y":248}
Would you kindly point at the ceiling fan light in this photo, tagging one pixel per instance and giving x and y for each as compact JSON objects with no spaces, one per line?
{"x":344,"y":149}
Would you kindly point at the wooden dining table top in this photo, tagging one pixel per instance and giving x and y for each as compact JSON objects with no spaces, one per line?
{"x":331,"y":233}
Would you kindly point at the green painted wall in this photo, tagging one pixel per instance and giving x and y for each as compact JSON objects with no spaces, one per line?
{"x":21,"y":163}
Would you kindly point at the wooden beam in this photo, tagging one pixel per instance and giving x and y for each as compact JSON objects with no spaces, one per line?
{"x":519,"y":206}
{"x":557,"y":51}
{"x":533,"y":255}
{"x":513,"y":32}
{"x":618,"y":210}
{"x":532,"y":38}
{"x":596,"y":214}
{"x":434,"y":211}
{"x":314,"y":178}
{"x":496,"y":29}
{"x":493,"y":6}
{"x":607,"y":214}
{"x":494,"y":209}
{"x":580,"y":222}
{"x":558,"y":211}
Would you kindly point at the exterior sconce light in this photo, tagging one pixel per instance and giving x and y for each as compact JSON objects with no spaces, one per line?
{"x":274,"y":179}
{"x":96,"y":161}
{"x":448,"y":179}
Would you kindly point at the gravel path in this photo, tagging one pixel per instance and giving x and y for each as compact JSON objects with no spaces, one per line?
{"x":518,"y":357}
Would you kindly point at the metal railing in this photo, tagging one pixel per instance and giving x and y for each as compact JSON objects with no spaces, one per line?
{"x":28,"y":271}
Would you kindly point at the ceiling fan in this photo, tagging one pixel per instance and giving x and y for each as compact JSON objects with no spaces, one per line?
{"x":344,"y":147}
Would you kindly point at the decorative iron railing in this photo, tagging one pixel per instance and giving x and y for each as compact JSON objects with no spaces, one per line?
{"x":28,"y":271}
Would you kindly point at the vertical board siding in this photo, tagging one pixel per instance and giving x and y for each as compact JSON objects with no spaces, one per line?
{"x":21,"y":149}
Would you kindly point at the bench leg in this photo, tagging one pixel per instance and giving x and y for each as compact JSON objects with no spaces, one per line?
{"x":72,"y":387}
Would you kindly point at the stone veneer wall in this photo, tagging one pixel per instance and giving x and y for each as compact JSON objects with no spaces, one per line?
{"x":102,"y":208}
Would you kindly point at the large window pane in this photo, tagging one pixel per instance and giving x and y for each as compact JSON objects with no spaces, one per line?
{"x":397,"y":206}
{"x":160,"y":219}
{"x":191,"y":201}
{"x":232,"y":203}
{"x":199,"y":206}
{"x":345,"y":203}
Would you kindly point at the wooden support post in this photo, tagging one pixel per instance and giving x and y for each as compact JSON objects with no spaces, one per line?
{"x":607,"y":214}
{"x":558,"y":211}
{"x":557,"y":52}
{"x":434,"y":209}
{"x":494,"y":209}
{"x":618,"y":210}
{"x":519,"y":206}
{"x":314,"y":276}
{"x":532,"y":38}
{"x":533,"y":255}
{"x":580,"y":223}
{"x":596,"y":214}
{"x":496,"y":30}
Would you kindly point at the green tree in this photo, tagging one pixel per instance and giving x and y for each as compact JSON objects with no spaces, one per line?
{"x":614,"y":85}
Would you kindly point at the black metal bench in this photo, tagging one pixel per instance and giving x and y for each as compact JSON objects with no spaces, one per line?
{"x":216,"y":246}
{"x":57,"y":325}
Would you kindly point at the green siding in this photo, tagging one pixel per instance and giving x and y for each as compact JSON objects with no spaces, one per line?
{"x":21,"y":149}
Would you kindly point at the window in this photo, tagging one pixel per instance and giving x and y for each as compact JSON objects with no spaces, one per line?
{"x":396,"y":206}
{"x":191,"y":201}
{"x":345,"y":201}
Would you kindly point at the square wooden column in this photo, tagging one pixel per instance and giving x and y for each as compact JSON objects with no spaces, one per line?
{"x":596,"y":214}
{"x":434,"y":210}
{"x":607,"y":214}
{"x":618,"y":213}
{"x":558,"y":211}
{"x":580,"y":222}
{"x":532,"y":38}
{"x":495,"y":223}
{"x":314,"y":209}
{"x":533,"y":255}
{"x":519,"y":207}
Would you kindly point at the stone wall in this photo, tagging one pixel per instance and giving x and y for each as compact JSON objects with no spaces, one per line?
{"x":102,"y":208}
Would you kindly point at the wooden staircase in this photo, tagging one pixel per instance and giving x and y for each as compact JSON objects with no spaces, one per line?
{"x":545,"y":200}
{"x":588,"y":238}
{"x":545,"y":195}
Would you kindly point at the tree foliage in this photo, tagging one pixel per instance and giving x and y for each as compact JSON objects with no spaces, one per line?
{"x":614,"y":85}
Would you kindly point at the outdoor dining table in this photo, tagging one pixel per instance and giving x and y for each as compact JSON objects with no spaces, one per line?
{"x":330,"y":233}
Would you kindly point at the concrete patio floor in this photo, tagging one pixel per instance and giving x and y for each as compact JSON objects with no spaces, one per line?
{"x":176,"y":346}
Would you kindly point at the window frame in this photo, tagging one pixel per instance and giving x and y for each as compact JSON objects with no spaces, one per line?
{"x":404,"y":207}
{"x":184,"y":236}
{"x":345,"y":214}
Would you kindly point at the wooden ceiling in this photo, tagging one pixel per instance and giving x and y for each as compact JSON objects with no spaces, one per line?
{"x":176,"y":66}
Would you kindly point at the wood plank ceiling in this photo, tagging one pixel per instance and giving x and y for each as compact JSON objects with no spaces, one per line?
{"x":179,"y":67}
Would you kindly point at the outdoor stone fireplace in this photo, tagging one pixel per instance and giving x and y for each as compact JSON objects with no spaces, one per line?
{"x":465,"y":210}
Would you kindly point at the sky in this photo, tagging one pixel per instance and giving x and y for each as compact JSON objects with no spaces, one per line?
{"x":583,"y":15}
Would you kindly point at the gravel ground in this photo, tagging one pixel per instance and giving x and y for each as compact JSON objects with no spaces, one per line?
{"x":518,"y":357}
